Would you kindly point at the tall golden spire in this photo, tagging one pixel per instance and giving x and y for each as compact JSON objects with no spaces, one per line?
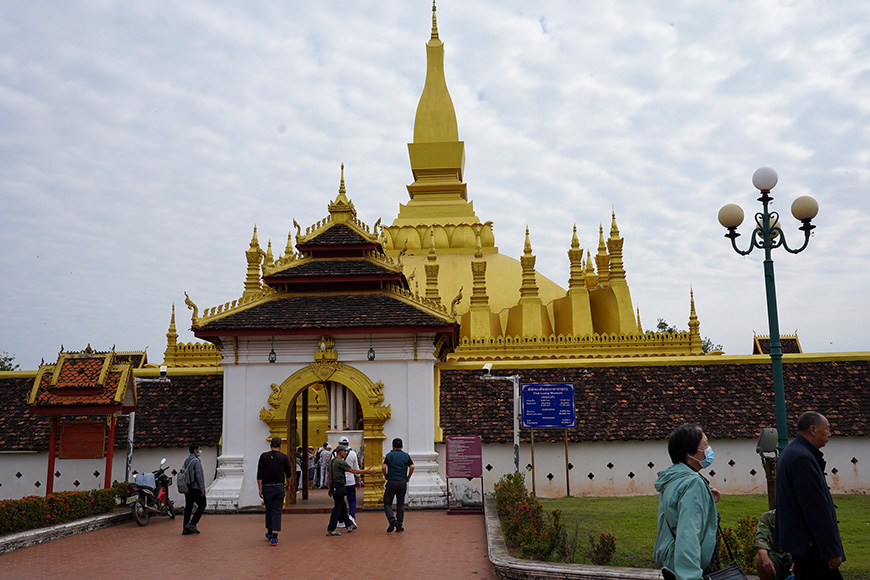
{"x":478,"y":274}
{"x":438,"y":195}
{"x":254,"y":255}
{"x":614,"y":247}
{"x":602,"y":260}
{"x":529,"y":288}
{"x":694,"y":326}
{"x":171,"y":340}
{"x":575,"y":258}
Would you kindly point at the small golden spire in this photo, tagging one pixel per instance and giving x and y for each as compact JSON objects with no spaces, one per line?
{"x":527,"y":249}
{"x":434,"y":22}
{"x":341,"y":189}
{"x":614,"y":231}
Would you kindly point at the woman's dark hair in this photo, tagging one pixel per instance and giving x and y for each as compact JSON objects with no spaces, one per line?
{"x":684,"y":439}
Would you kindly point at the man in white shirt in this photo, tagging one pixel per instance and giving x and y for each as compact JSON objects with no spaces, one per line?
{"x":351,"y":480}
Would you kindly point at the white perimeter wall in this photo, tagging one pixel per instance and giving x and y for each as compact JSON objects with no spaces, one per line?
{"x":33,"y":468}
{"x":613,"y":463}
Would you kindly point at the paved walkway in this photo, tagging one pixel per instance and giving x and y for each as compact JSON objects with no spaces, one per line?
{"x":435,"y":545}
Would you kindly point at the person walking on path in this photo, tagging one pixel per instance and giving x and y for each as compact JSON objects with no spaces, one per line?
{"x":325,"y":456}
{"x":274,"y":478}
{"x":806,"y":520}
{"x":687,"y":517}
{"x":338,"y":468}
{"x":350,"y":483}
{"x":196,"y":491}
{"x":397,"y":469}
{"x":311,"y":462}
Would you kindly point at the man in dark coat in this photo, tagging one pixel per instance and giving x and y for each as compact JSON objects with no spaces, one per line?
{"x":806,"y":523}
{"x":196,"y":491}
{"x":274,"y":478}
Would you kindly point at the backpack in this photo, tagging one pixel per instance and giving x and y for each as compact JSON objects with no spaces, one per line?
{"x":185,"y":477}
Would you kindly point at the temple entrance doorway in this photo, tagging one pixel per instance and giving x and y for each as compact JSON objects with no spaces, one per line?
{"x":321,"y":413}
{"x":329,"y":400}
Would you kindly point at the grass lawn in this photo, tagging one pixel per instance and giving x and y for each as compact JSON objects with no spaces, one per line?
{"x":633,"y":521}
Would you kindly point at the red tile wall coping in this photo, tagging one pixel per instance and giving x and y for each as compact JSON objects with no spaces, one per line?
{"x":636,"y":403}
{"x":187,"y":408}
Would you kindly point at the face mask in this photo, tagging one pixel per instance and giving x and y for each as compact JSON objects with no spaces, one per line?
{"x":708,"y":457}
{"x":198,"y":453}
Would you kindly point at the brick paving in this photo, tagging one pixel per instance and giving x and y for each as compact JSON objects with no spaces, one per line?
{"x":435,"y":545}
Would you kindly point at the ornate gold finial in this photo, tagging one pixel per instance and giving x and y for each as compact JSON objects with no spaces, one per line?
{"x":401,"y":255}
{"x":527,"y":248}
{"x":431,"y":269}
{"x":456,"y":302}
{"x":434,"y":22}
{"x":614,"y":231}
{"x":431,"y":256}
{"x":478,"y":247}
{"x":341,"y":189}
{"x":191,"y":306}
{"x":639,"y":327}
{"x":298,"y":230}
{"x":342,"y":210}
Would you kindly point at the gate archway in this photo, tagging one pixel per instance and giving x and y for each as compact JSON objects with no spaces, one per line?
{"x":369,"y":394}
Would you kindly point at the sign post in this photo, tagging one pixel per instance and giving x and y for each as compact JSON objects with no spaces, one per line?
{"x":549,"y":406}
{"x":464,"y":459}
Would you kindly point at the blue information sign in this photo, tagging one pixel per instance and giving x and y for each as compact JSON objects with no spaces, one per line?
{"x":548,"y":406}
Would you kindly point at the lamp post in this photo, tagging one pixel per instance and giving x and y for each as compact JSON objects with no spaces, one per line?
{"x":515,"y":379}
{"x":768,"y":235}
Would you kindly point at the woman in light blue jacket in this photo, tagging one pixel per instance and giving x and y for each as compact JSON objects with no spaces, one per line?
{"x":687,"y":518}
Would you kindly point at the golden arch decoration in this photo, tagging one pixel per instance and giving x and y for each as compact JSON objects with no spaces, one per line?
{"x":370,"y":396}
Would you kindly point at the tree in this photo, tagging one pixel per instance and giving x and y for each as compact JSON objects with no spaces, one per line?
{"x":706,"y":344}
{"x":6,"y":362}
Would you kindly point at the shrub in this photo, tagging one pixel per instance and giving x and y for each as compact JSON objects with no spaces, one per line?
{"x":526,"y":529}
{"x":740,"y":539}
{"x":32,"y":512}
{"x":601,"y":553}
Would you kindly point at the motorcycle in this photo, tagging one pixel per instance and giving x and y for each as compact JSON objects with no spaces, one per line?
{"x":150,"y":494}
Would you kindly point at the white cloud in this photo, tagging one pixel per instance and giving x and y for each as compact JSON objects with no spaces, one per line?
{"x":140,"y":143}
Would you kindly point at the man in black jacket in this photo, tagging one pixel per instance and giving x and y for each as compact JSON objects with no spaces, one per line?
{"x":195,"y":495}
{"x":806,"y":523}
{"x":274,"y":477}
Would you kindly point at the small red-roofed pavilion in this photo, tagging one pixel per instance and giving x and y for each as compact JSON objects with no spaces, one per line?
{"x":82,"y":384}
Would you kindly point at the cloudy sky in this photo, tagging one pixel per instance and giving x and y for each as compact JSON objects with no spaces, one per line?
{"x":141,"y":141}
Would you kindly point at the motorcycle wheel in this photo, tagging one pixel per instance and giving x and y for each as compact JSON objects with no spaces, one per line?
{"x":140,"y":511}
{"x":170,"y":509}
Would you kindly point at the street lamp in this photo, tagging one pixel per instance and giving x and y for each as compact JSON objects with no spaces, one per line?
{"x":515,"y":379}
{"x":768,"y":235}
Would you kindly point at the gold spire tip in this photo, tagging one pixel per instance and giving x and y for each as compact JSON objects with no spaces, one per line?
{"x":434,"y":23}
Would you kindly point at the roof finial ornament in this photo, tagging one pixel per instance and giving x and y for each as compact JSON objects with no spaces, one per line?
{"x":341,"y":190}
{"x":434,"y":23}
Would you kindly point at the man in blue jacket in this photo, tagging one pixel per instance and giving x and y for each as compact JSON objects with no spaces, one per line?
{"x":806,"y":517}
